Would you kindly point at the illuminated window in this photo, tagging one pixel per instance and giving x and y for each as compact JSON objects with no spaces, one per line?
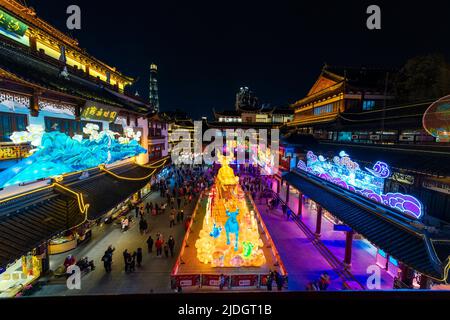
{"x":368,"y":105}
{"x":328,"y":108}
{"x":10,"y":122}
{"x":68,"y":126}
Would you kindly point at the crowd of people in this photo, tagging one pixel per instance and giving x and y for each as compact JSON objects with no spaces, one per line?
{"x":178,"y":189}
{"x":274,"y":276}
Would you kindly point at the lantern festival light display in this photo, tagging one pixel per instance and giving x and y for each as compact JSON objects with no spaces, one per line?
{"x":57,"y":153}
{"x":229,"y":235}
{"x":346,"y":173}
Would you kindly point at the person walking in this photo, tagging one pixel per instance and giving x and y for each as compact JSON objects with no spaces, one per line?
{"x":324,"y":281}
{"x":110,"y":250}
{"x":107,"y":261}
{"x":147,"y":208}
{"x":284,"y":208}
{"x":171,"y":243}
{"x":136,"y":211}
{"x":132,"y":261}
{"x":172,"y":218}
{"x":166,"y":250}
{"x":139,"y":257}
{"x":181,"y":215}
{"x":142,"y":226}
{"x":269,"y":281}
{"x":179,"y":201}
{"x":279,"y":280}
{"x":158,"y":246}
{"x":126,"y":258}
{"x":150,"y":244}
{"x":221,"y":281}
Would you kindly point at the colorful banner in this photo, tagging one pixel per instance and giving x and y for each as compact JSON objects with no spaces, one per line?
{"x":188,"y":280}
{"x":213,"y":280}
{"x":244,"y":280}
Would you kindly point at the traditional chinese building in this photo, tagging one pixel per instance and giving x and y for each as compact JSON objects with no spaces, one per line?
{"x":351,"y":114}
{"x":357,"y":105}
{"x":49,"y":81}
{"x":51,"y":87}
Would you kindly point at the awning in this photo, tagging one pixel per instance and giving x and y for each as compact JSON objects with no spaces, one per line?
{"x":398,"y":237}
{"x":432,"y":162}
{"x":104,"y":190}
{"x":30,"y":220}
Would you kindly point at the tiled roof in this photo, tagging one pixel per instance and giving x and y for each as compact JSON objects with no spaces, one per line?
{"x":28,"y":221}
{"x":397,"y":237}
{"x":39,"y":72}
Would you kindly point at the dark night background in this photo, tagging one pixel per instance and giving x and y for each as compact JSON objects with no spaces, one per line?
{"x":206,"y":50}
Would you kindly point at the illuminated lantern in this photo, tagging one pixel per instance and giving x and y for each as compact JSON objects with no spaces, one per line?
{"x":436,"y":120}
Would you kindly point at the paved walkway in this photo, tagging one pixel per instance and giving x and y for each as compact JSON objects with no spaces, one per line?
{"x":302,"y":259}
{"x":153,"y":276}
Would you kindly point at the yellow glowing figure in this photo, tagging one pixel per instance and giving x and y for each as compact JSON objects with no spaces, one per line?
{"x":212,"y":245}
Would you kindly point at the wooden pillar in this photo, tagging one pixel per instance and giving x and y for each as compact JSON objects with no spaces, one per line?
{"x":287,"y":193}
{"x":33,"y":43}
{"x":34,"y":104}
{"x":300,"y":203}
{"x":318,"y":220}
{"x":348,"y":248}
{"x":78,"y":109}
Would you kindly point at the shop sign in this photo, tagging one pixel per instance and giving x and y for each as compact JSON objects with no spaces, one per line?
{"x":11,"y":24}
{"x":437,"y":185}
{"x":97,"y":111}
{"x":402,"y":178}
{"x":8,"y":152}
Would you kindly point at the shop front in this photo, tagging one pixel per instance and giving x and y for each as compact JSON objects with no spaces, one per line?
{"x":70,"y":239}
{"x":21,"y":274}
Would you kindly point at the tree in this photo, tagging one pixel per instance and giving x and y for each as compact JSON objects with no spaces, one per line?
{"x":423,"y":78}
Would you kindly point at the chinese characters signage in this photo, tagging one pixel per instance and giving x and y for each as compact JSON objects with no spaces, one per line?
{"x":8,"y":152}
{"x":11,"y":24}
{"x":94,"y":111}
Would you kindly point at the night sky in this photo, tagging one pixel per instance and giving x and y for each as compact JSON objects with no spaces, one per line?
{"x":205,"y":51}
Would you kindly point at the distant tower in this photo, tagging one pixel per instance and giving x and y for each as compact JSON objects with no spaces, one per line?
{"x":153,"y":87}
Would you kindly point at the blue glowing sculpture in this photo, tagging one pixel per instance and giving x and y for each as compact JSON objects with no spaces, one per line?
{"x":58,"y":154}
{"x":232,"y":226}
{"x":215,"y":233}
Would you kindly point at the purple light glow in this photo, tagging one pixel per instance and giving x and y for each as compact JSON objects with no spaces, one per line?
{"x":325,"y":170}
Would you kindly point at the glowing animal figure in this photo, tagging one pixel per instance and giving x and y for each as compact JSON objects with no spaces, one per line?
{"x":232,"y":226}
{"x":215,"y":233}
{"x":248,"y":247}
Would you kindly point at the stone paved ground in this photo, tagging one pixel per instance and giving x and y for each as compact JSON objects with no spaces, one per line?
{"x":153,"y":276}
